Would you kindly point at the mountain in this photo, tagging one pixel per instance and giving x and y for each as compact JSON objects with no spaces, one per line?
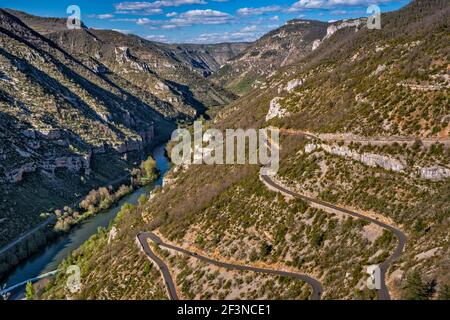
{"x":41,"y":25}
{"x":372,"y":82}
{"x":206,"y":58}
{"x":203,"y":58}
{"x":147,"y":66}
{"x":276,"y":49}
{"x":78,"y":109}
{"x":374,"y":105}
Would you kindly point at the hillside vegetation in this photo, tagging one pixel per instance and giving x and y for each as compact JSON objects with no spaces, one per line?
{"x":80,"y":108}
{"x":227,"y":213}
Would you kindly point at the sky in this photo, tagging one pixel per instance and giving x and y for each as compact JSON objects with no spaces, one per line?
{"x":200,"y":21}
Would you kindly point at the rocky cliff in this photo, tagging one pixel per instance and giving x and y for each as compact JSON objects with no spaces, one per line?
{"x":79,"y":107}
{"x":436,"y":172}
{"x":279,"y":48}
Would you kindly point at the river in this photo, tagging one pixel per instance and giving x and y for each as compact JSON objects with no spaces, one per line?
{"x":49,"y":257}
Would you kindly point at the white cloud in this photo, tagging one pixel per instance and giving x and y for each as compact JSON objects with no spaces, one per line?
{"x":159,"y":38}
{"x":105,"y":16}
{"x":169,"y":26}
{"x":147,"y":11}
{"x":122,"y":31}
{"x":145,"y":21}
{"x":326,"y":4}
{"x":154,"y":7}
{"x":225,"y":37}
{"x":258,"y":11}
{"x":171,"y":14}
{"x":205,"y":17}
{"x":246,"y":34}
{"x":101,"y":16}
{"x":338,"y":12}
{"x":275,"y":18}
{"x":189,"y":18}
{"x":124,"y":20}
{"x":249,"y":29}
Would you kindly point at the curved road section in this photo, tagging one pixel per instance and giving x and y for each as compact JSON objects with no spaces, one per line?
{"x":142,"y":237}
{"x":170,"y":286}
{"x":383,"y":292}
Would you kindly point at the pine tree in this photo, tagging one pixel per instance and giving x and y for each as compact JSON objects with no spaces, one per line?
{"x":416,"y":288}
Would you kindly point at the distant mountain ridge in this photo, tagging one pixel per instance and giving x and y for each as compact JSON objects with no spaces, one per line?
{"x":208,"y":58}
{"x":278,"y":48}
{"x":202,"y":58}
{"x":42,"y":25}
{"x":79,"y":107}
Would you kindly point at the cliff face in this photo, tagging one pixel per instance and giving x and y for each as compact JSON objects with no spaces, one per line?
{"x":53,"y":106}
{"x":203,"y":59}
{"x":370,"y":159}
{"x":435,"y":172}
{"x":174,"y":86}
{"x":206,"y":59}
{"x":279,"y":48}
{"x":79,"y":107}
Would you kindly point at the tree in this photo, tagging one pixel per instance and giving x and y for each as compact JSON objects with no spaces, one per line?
{"x":265,"y":249}
{"x":142,"y":199}
{"x":149,"y":169}
{"x":444,"y":292}
{"x":29,"y":291}
{"x":415,"y":288}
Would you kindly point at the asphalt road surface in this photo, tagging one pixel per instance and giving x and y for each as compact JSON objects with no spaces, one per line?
{"x":316,"y":286}
{"x":142,"y":237}
{"x":383,"y":293}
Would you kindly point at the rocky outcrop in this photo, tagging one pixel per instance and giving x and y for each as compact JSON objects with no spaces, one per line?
{"x":281,"y":47}
{"x":421,"y":87}
{"x":71,"y":163}
{"x":346,"y":24}
{"x":293,"y":84}
{"x":148,"y":134}
{"x":46,"y":134}
{"x":124,"y":56}
{"x":276,"y":110}
{"x":33,"y":161}
{"x":379,"y":69}
{"x":129,"y":146}
{"x":434,"y":173}
{"x":370,"y":159}
{"x":316,"y":44}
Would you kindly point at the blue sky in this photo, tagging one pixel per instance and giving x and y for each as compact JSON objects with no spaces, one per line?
{"x":200,"y":21}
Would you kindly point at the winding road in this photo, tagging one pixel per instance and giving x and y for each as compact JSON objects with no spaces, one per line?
{"x":27,"y":234}
{"x":383,"y":293}
{"x":170,"y":285}
{"x":142,"y":237}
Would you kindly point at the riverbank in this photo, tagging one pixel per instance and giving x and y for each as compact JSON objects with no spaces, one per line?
{"x":55,"y":250}
{"x":42,"y":235}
